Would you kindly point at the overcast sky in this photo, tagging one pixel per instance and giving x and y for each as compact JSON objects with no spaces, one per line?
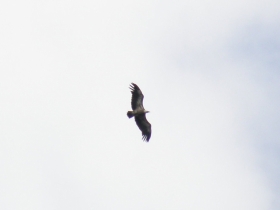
{"x":210,"y":74}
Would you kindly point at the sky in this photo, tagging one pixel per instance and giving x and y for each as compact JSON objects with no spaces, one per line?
{"x":209,"y":71}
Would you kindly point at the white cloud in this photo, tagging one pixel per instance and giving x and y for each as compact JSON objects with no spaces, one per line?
{"x":65,"y":140}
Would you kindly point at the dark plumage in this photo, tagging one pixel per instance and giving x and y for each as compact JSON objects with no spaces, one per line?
{"x":139,"y":113}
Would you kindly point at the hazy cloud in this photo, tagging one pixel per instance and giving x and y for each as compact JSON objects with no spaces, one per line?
{"x":209,"y":74}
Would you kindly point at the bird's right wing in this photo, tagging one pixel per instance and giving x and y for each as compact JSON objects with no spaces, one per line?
{"x":137,"y":97}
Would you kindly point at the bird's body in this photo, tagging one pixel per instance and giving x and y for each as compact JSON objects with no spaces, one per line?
{"x":139,"y":113}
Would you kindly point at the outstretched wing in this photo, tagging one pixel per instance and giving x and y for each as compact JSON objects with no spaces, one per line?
{"x":144,"y":126}
{"x":137,"y":97}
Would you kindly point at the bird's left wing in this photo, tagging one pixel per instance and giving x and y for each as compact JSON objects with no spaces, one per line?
{"x":144,"y":126}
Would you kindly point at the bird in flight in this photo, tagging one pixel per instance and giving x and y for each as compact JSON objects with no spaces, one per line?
{"x":139,"y":113}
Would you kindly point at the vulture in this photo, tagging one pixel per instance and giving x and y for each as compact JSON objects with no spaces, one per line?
{"x":139,"y":113}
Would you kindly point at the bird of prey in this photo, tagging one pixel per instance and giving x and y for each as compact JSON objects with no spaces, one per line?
{"x":139,"y":113}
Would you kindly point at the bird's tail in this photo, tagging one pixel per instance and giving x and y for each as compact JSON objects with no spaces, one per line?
{"x":130,"y":114}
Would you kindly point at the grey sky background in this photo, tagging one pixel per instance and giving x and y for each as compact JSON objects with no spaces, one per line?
{"x":209,"y":71}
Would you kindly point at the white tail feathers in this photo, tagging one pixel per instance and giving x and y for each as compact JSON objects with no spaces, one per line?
{"x":130,"y":114}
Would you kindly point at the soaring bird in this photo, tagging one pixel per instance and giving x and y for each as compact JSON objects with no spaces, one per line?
{"x":139,"y":113}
